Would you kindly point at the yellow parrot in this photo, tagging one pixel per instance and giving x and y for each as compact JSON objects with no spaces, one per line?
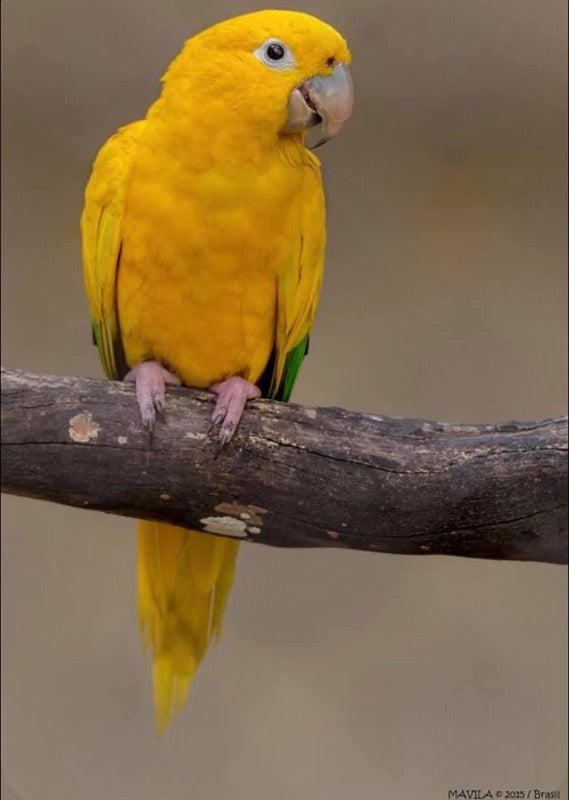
{"x":203,"y":237}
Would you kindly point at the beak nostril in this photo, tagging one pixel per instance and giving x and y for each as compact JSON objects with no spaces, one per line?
{"x":330,"y":61}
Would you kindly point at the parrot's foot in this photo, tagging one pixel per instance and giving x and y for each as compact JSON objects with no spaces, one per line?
{"x":232,"y":395}
{"x":151,"y":378}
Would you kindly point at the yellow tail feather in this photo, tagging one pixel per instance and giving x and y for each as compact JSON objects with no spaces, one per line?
{"x":184,"y":579}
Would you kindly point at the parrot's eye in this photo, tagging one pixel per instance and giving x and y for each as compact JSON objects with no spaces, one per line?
{"x":275,"y":51}
{"x":275,"y":54}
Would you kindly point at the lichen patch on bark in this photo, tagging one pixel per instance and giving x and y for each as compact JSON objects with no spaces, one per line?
{"x":83,"y":428}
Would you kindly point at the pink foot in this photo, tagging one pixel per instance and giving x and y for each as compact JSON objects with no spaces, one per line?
{"x":151,"y":378}
{"x":232,"y":395}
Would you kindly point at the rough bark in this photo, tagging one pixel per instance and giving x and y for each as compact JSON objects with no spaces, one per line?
{"x":293,"y":476}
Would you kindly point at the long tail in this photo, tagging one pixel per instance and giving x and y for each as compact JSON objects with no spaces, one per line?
{"x":184,"y":579}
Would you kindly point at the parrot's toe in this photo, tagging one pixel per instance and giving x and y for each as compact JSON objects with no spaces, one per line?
{"x":151,"y":378}
{"x":232,"y":395}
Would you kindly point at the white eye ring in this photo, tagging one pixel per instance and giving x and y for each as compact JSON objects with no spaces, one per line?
{"x":275,"y":54}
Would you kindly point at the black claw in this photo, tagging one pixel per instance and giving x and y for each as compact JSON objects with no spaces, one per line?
{"x":219,"y":448}
{"x":216,"y":419}
{"x":224,"y":437}
{"x":218,"y":416}
{"x":226,"y":434}
{"x":149,"y":426}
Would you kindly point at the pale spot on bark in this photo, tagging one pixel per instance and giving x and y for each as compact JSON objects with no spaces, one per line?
{"x":83,"y":428}
{"x":226,"y":526}
{"x":122,"y":439}
{"x":260,"y":440}
{"x":310,"y":413}
{"x":253,"y":529}
{"x":458,"y":429}
{"x":250,"y":513}
{"x":165,"y":496}
{"x":333,"y":534}
{"x":286,"y":441}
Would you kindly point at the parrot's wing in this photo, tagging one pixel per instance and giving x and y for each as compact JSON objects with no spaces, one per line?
{"x":299,"y":286}
{"x":101,"y":230}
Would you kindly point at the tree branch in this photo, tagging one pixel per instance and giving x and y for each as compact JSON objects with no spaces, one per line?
{"x":293,"y":476}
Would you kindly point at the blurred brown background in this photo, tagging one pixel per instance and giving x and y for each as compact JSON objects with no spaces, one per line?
{"x":339,"y":674}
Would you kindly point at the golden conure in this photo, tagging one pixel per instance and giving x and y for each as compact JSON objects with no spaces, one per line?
{"x":203,"y":247}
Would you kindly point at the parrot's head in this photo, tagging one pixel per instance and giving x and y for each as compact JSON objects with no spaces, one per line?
{"x":280,"y":72}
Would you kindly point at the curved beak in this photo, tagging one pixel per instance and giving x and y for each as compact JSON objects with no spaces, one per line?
{"x":326,"y":99}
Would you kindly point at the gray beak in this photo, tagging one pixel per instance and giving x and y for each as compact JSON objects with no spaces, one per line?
{"x":326,"y":99}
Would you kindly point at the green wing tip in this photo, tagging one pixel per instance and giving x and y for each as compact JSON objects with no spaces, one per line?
{"x":292,"y":367}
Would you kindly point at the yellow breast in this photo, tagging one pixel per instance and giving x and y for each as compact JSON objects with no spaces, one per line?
{"x":203,"y":247}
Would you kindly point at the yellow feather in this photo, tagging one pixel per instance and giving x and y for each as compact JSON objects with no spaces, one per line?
{"x":299,"y":286}
{"x":101,"y":231}
{"x":184,"y":578}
